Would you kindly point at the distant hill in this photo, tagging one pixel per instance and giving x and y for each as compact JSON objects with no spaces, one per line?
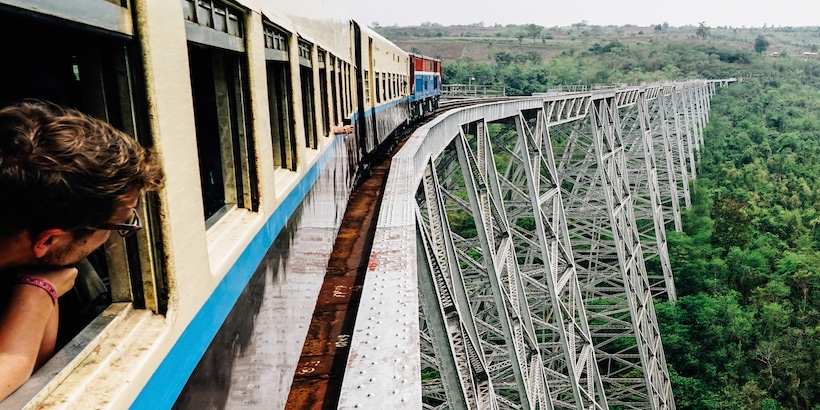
{"x":479,"y":43}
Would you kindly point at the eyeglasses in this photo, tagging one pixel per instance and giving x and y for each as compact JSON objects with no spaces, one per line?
{"x":125,"y":229}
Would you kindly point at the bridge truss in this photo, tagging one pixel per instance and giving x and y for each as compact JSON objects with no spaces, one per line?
{"x":509,"y":268}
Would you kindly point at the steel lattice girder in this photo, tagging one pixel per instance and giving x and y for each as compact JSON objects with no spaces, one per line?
{"x":532,"y":283}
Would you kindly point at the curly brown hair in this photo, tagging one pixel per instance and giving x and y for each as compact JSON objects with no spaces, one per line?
{"x":60,"y":168}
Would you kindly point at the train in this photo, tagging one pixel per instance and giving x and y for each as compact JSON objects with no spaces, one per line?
{"x":208,"y":305}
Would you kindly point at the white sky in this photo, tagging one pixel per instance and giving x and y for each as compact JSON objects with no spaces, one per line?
{"x":549,"y":13}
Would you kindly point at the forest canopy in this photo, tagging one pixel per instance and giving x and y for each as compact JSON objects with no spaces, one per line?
{"x":745,"y":332}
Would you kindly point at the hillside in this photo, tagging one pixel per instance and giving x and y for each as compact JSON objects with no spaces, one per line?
{"x":529,"y":58}
{"x":482,"y":43}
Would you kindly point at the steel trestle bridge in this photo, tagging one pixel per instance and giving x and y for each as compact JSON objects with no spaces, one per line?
{"x":509,"y":265}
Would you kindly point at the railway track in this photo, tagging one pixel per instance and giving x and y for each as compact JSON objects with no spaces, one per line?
{"x":318,"y":377}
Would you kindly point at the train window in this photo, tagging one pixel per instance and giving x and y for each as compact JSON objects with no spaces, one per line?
{"x":323,"y":90}
{"x":377,"y":80}
{"x":223,"y":143}
{"x":218,"y":81}
{"x":276,"y":43}
{"x":342,"y":90}
{"x":308,"y":106}
{"x":280,"y":101}
{"x":366,"y":88}
{"x":305,"y":53}
{"x":214,"y":23}
{"x":308,"y":99}
{"x":334,"y":91}
{"x":89,"y":70}
{"x":348,"y":90}
{"x":281,"y":121}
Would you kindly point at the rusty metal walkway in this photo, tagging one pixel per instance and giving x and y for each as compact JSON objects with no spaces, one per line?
{"x":318,"y":378}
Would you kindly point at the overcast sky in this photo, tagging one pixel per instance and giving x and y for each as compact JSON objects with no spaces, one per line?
{"x":549,"y":13}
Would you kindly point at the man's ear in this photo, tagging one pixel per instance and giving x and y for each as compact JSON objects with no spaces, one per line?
{"x":45,"y":240}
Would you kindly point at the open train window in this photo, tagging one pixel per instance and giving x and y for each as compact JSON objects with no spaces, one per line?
{"x":366,"y":88}
{"x":216,"y":54}
{"x":217,"y":79}
{"x":69,"y":64}
{"x":280,"y":101}
{"x":308,"y":103}
{"x":340,"y":81}
{"x":334,"y":92}
{"x":86,"y":66}
{"x":344,"y":79}
{"x":378,"y":88}
{"x":325,"y":107}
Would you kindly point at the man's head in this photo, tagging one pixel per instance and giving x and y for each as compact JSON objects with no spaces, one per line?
{"x":63,"y":170}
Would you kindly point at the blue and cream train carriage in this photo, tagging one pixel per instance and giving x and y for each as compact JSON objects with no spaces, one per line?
{"x":425,"y":75}
{"x":209,"y":304}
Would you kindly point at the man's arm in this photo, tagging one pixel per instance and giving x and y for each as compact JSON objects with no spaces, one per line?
{"x":28,"y":329}
{"x":342,"y":129}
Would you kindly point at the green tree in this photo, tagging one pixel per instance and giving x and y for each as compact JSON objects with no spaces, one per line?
{"x":533,"y":30}
{"x":761,"y":44}
{"x":703,"y":30}
{"x":732,"y":222}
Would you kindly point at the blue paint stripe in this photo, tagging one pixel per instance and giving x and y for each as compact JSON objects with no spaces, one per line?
{"x":167,"y":382}
{"x":382,"y":107}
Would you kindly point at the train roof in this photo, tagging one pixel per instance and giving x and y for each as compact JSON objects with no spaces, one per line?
{"x":322,"y":22}
{"x":424,"y":57}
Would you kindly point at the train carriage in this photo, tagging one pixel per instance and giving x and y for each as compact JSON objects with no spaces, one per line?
{"x":383,"y":76}
{"x":239,"y":99}
{"x":425,"y":77}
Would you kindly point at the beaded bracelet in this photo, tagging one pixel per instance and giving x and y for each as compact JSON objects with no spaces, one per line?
{"x":40,"y":283}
